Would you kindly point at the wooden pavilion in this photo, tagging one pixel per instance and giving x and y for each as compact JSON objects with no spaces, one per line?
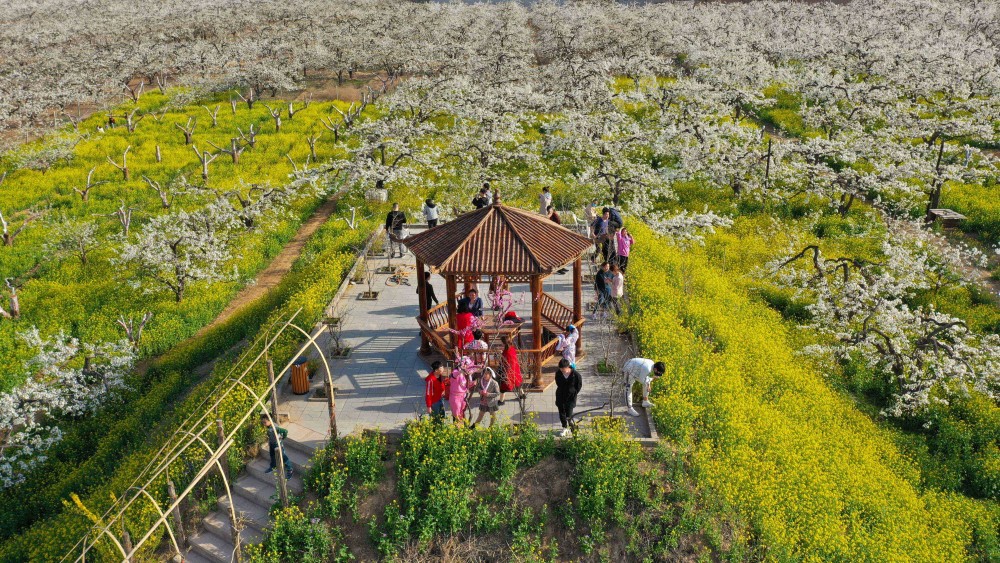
{"x":521,"y":246}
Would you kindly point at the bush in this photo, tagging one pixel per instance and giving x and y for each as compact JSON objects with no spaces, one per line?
{"x":293,"y":538}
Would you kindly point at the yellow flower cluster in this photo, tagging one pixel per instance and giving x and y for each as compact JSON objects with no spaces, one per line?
{"x":816,"y":479}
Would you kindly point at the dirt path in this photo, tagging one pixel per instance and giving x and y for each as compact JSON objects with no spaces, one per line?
{"x":272,"y":275}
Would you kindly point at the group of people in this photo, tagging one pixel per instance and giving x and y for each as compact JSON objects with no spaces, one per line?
{"x":613,"y":243}
{"x":472,"y":382}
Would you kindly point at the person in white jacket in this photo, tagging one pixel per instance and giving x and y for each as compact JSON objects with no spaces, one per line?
{"x":643,"y":371}
{"x":544,"y":201}
{"x":567,"y":345}
{"x":431,"y":213}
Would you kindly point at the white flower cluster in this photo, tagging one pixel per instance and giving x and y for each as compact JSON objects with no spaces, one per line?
{"x":865,"y":308}
{"x":67,"y":379}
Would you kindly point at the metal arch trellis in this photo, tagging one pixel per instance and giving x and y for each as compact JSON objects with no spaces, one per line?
{"x":161,"y":454}
{"x":190,"y":434}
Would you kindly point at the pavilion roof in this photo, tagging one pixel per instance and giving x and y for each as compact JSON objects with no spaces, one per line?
{"x":497,"y":240}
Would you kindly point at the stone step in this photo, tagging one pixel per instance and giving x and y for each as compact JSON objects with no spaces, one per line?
{"x":193,"y":556}
{"x":217,"y":523}
{"x":253,"y":514}
{"x":264,"y":493}
{"x":212,"y":547}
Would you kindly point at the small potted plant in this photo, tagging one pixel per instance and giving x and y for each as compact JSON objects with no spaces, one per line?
{"x":369,"y":278}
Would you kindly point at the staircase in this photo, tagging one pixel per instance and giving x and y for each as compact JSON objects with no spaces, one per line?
{"x":254,"y":492}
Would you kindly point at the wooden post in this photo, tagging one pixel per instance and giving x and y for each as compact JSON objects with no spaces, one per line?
{"x":224,"y":458}
{"x":425,"y":345}
{"x":274,"y":391}
{"x":578,"y":300}
{"x":127,"y":544}
{"x":536,"y":326}
{"x":178,"y":523}
{"x":331,"y":406}
{"x":282,"y":482}
{"x":452,"y":289}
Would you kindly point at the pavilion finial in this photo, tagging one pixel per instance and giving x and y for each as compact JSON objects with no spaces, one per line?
{"x":496,"y":197}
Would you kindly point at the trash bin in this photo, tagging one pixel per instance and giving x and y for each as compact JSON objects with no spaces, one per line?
{"x":300,"y":377}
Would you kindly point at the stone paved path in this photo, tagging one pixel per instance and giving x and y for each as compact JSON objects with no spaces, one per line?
{"x":380,"y":385}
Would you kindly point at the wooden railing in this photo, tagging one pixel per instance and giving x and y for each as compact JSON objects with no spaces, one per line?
{"x":556,"y":313}
{"x":437,"y":316}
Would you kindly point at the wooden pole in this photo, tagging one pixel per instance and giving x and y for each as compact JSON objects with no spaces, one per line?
{"x":425,"y":345}
{"x":452,"y":289}
{"x":331,"y":407}
{"x":536,"y":326}
{"x":178,"y":523}
{"x":221,"y":435}
{"x":578,"y":301}
{"x":282,"y":484}
{"x":274,"y":391}
{"x":127,"y":544}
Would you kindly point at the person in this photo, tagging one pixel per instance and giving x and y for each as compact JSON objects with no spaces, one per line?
{"x":477,"y":349}
{"x":602,"y":285}
{"x":431,"y":213}
{"x":273,"y":433}
{"x":473,"y":302}
{"x":567,"y":344}
{"x":617,"y":288}
{"x":429,"y":291}
{"x":568,"y":385}
{"x":553,"y":215}
{"x":613,"y":245}
{"x":600,"y":231}
{"x":488,"y":390}
{"x":458,"y":389}
{"x":641,"y":370}
{"x":615,"y":217}
{"x":591,"y":212}
{"x":481,"y":200}
{"x":511,"y":369}
{"x":623,"y":246}
{"x":436,"y":390}
{"x":395,"y":223}
{"x":488,"y":193}
{"x":544,"y":200}
{"x":463,"y":322}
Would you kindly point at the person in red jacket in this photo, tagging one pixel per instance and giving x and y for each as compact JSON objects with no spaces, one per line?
{"x":436,"y":391}
{"x":463,"y":325}
{"x":510,"y":367}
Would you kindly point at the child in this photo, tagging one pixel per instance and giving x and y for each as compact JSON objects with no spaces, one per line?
{"x":272,"y":442}
{"x":489,"y":391}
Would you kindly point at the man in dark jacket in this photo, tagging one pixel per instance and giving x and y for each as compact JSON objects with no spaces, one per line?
{"x":473,"y":301}
{"x":395,"y":223}
{"x":482,"y":199}
{"x":568,"y":385}
{"x":273,"y":433}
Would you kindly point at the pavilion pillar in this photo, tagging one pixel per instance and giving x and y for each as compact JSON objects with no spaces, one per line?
{"x":425,"y":345}
{"x":450,"y":291}
{"x":578,"y":300}
{"x":536,"y":327}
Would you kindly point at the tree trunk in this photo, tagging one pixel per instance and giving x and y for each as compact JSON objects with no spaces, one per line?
{"x":159,"y":155}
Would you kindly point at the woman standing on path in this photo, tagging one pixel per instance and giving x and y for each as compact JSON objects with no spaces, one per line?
{"x":511,"y":368}
{"x":568,"y":385}
{"x":488,"y":391}
{"x":458,"y":388}
{"x":617,"y":288}
{"x":623,"y":246}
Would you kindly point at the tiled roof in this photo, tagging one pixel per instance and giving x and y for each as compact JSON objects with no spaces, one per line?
{"x":497,"y":240}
